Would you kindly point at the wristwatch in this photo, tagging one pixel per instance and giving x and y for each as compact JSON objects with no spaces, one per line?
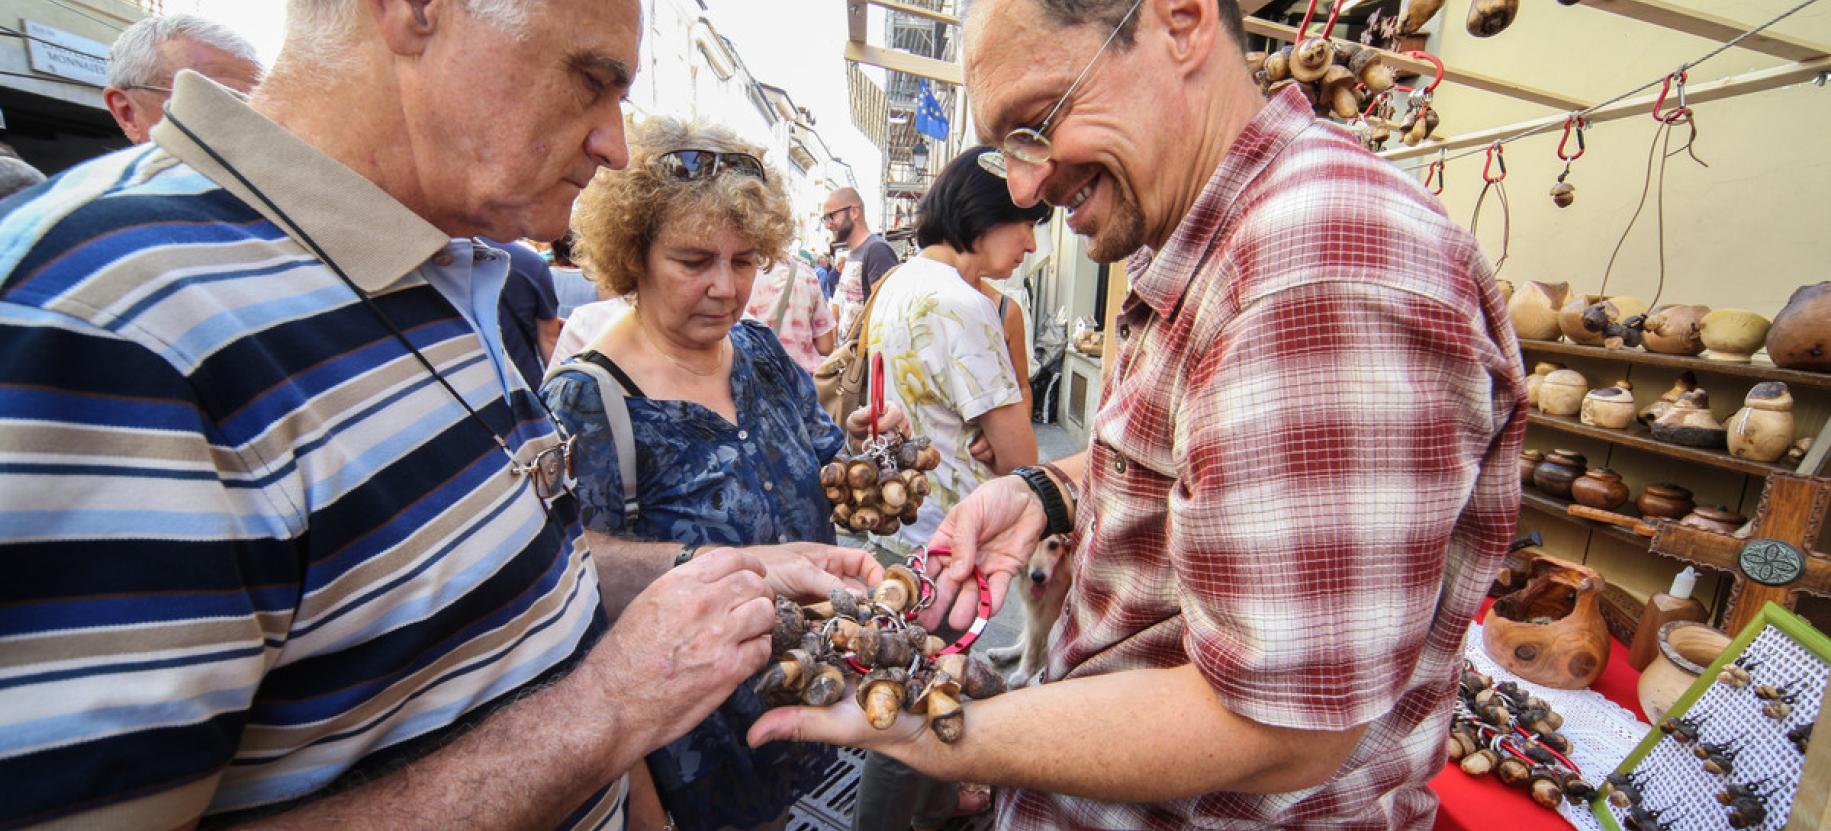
{"x":1054,"y":509}
{"x":686,"y":554}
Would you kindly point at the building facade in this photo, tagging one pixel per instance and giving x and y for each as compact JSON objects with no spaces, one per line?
{"x":690,"y":70}
{"x":53,"y":65}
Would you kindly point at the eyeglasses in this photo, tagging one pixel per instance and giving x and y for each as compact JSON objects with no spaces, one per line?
{"x":1031,"y":145}
{"x":150,"y":88}
{"x":550,"y":470}
{"x":692,"y":165}
{"x":827,"y":218}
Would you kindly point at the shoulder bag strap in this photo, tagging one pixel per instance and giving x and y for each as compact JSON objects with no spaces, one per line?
{"x":613,"y":394}
{"x":788,"y":290}
{"x":859,"y":326}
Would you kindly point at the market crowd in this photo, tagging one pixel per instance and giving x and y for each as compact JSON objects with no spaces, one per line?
{"x":398,"y":436}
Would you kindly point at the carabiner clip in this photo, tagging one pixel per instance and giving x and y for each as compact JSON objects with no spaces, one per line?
{"x":1434,"y":171}
{"x":1577,"y":122}
{"x":1676,"y":113}
{"x":1495,"y":154}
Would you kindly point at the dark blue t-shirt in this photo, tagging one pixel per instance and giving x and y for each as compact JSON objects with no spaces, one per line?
{"x":527,"y":299}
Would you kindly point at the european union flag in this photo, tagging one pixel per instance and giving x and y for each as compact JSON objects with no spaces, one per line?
{"x":929,"y":119}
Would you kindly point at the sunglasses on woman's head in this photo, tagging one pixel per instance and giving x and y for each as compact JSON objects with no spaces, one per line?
{"x":691,"y":165}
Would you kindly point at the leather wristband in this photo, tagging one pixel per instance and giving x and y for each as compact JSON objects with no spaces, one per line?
{"x":1054,"y":509}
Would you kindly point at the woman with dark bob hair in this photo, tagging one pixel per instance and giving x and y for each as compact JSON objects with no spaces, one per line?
{"x":727,"y":434}
{"x":944,"y":339}
{"x":949,"y":367}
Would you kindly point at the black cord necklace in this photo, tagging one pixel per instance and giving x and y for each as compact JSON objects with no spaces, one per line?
{"x":554,"y":473}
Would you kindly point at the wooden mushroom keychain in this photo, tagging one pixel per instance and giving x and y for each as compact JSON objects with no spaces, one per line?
{"x":1420,"y":116}
{"x":1563,"y":193}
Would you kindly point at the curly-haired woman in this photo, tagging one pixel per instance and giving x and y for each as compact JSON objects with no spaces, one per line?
{"x":729,"y":436}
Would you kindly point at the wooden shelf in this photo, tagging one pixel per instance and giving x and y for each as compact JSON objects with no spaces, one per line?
{"x":1554,"y":507}
{"x":1637,"y":437}
{"x":1762,"y":371}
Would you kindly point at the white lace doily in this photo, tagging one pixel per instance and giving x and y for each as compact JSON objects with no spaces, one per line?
{"x":1601,"y":732}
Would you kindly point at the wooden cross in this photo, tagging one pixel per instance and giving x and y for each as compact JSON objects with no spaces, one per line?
{"x":1776,"y":562}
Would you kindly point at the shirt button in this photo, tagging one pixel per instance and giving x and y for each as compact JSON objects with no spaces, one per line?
{"x":1125,"y":331}
{"x":442,"y":259}
{"x":1119,"y":464}
{"x":743,"y":435}
{"x":769,"y":486}
{"x":781,"y":538}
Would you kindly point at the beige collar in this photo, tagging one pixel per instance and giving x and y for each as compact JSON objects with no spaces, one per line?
{"x":371,"y":236}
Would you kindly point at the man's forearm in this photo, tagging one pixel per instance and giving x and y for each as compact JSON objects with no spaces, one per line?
{"x":626,"y":567}
{"x":528,"y":766}
{"x":1136,"y":736}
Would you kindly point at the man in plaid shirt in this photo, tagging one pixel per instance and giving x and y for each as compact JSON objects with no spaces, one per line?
{"x":1301,"y":479}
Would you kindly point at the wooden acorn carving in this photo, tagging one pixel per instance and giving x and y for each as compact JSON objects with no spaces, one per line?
{"x":1311,"y":59}
{"x":1418,"y":13}
{"x":1278,"y":66}
{"x":1488,"y":18}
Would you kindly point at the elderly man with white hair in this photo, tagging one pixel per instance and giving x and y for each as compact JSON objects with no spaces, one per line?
{"x":150,"y":53}
{"x":283,"y":533}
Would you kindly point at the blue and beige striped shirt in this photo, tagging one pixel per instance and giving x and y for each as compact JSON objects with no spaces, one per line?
{"x":249,"y":546}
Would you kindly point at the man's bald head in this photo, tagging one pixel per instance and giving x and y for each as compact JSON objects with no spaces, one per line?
{"x":844,"y":215}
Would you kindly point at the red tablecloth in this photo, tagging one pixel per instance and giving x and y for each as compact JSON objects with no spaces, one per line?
{"x":1484,"y":804}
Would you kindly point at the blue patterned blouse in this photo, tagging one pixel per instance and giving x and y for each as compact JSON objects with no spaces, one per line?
{"x":702,"y":479}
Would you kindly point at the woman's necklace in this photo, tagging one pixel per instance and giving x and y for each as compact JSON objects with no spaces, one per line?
{"x":703,"y":373}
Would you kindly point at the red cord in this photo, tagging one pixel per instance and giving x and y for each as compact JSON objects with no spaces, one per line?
{"x":1304,"y":30}
{"x":877,"y":390}
{"x":1554,"y":754}
{"x":1434,"y":170}
{"x":1309,"y":14}
{"x":1434,"y":61}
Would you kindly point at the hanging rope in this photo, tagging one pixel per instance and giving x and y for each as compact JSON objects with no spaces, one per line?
{"x":1662,"y":148}
{"x":1494,"y":182}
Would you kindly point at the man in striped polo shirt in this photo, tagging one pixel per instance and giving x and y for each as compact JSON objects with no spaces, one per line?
{"x":278,"y":535}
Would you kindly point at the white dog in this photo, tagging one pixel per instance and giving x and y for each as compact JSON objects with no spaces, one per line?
{"x":1050,"y":574}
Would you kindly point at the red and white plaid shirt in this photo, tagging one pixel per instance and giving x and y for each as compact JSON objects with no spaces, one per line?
{"x":1303,"y":474}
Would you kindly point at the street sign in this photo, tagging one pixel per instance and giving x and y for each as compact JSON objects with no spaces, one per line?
{"x":54,"y":51}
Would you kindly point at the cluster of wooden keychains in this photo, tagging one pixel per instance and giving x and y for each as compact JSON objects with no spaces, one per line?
{"x":897,"y":665}
{"x":882,"y":488}
{"x":1504,"y":730}
{"x":1746,"y":802}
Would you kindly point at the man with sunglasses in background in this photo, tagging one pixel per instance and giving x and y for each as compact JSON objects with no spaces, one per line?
{"x":868,"y":255}
{"x":149,"y":54}
{"x":1301,"y":478}
{"x":284,"y":535}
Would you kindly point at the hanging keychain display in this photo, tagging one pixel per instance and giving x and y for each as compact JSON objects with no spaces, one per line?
{"x":880,"y":488}
{"x":1420,"y":116}
{"x":1563,"y":193}
{"x":1631,"y":330}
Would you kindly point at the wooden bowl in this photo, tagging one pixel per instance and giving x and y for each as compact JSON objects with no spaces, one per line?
{"x":1551,"y":632}
{"x":1685,"y":649}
